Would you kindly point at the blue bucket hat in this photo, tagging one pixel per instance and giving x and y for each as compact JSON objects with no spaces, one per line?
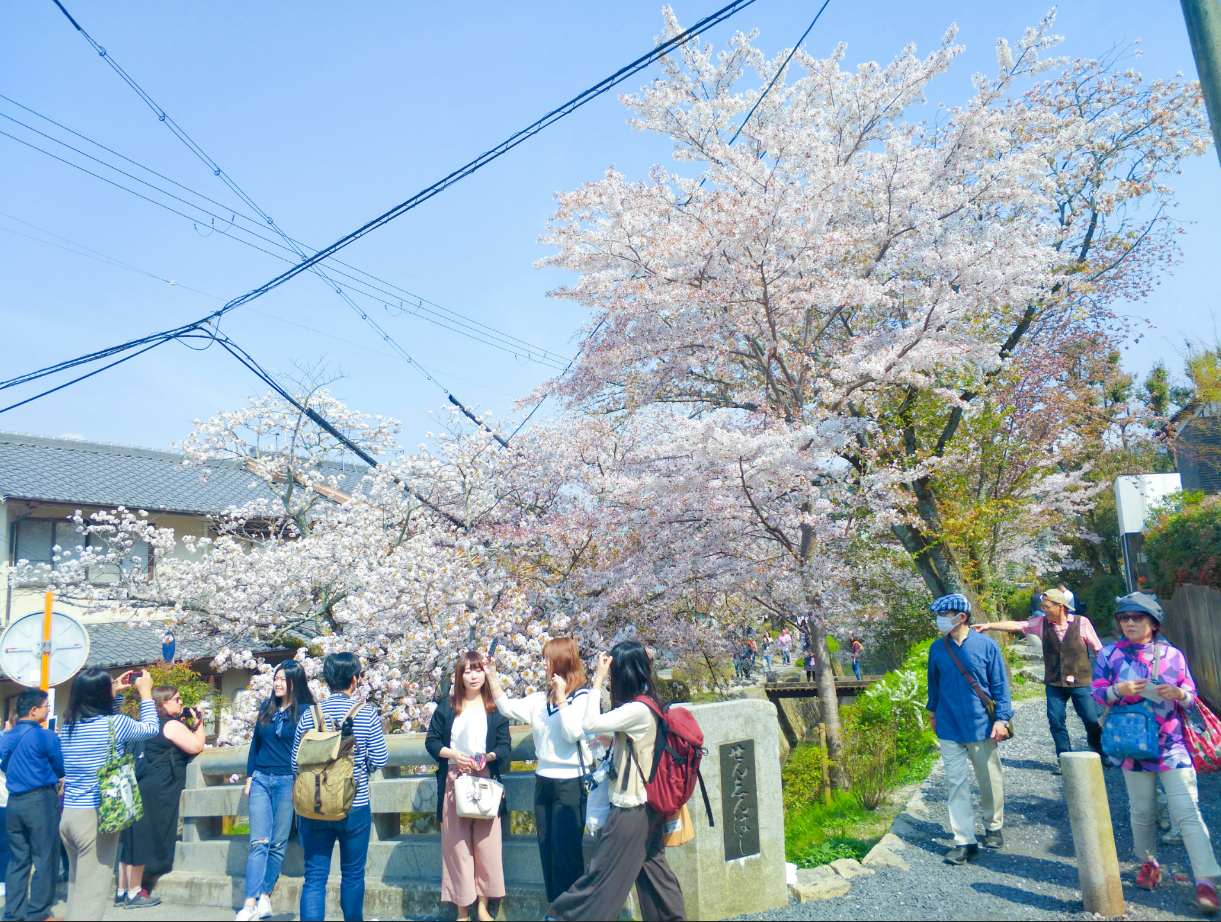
{"x":954,"y":602}
{"x":1141,"y":602}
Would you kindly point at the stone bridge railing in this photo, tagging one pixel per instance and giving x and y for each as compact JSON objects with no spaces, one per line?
{"x":720,"y":877}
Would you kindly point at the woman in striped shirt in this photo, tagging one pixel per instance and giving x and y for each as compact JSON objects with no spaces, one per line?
{"x":85,"y":741}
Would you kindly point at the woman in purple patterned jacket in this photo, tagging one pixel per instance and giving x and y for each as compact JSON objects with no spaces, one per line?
{"x":1122,"y":672}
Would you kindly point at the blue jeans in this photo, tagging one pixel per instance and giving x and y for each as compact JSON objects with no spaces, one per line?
{"x":271,"y":820}
{"x":1057,"y":716}
{"x":318,"y":839}
{"x":856,"y":668}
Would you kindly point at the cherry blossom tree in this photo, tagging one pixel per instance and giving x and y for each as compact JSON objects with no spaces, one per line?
{"x":843,"y":261}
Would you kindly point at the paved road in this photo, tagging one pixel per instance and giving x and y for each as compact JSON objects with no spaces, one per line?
{"x":1035,"y":876}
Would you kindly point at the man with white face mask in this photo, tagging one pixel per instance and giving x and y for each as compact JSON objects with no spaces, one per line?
{"x":964,"y":668}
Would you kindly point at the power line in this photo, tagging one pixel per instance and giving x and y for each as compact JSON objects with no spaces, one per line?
{"x":443,"y":317}
{"x":473,"y":166}
{"x":413,"y":202}
{"x":395,"y":292}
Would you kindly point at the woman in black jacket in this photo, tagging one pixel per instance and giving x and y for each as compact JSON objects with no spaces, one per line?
{"x":467,"y":735}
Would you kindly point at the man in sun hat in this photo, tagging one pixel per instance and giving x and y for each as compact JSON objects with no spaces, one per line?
{"x":1070,"y":644}
{"x":958,"y":663}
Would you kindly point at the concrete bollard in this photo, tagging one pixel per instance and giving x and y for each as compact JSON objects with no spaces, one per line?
{"x":1089,"y":813}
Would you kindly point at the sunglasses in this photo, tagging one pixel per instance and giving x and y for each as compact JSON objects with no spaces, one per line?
{"x":1129,"y":616}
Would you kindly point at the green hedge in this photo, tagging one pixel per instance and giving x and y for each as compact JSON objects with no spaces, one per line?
{"x":1183,"y":545}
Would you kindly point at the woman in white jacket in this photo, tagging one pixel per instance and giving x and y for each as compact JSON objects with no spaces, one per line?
{"x":555,"y":715}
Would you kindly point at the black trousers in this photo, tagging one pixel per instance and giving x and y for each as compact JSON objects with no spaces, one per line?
{"x":33,"y":838}
{"x":559,"y":814}
{"x":630,"y":851}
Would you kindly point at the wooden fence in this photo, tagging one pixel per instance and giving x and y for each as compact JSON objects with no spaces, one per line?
{"x":1193,"y":624}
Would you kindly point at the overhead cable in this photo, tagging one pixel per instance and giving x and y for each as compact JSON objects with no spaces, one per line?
{"x":424,"y":309}
{"x":467,"y":169}
{"x":417,"y":199}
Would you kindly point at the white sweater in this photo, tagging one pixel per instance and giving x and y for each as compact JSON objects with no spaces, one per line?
{"x":557,"y":731}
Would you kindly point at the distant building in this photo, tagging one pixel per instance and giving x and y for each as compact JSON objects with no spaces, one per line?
{"x":43,"y":481}
{"x":1195,"y":439}
{"x":118,"y":647}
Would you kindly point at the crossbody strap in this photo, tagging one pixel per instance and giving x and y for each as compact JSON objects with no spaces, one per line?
{"x":989,"y":704}
{"x":17,"y":745}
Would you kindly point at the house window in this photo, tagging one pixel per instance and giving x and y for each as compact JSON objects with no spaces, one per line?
{"x":36,"y":539}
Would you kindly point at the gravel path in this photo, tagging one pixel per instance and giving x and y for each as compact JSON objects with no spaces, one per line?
{"x":1035,"y":875}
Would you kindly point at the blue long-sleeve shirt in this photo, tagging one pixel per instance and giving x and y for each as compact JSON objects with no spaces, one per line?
{"x":271,"y":746}
{"x":961,"y":716}
{"x":37,"y":760}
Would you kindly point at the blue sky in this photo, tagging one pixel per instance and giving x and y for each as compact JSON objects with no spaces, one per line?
{"x":328,"y":114}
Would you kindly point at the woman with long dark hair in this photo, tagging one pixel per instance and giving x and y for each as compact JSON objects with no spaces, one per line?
{"x":468,"y":735}
{"x":555,"y":715}
{"x":269,"y":785}
{"x":85,"y":741}
{"x":630,"y":849}
{"x":161,"y":767}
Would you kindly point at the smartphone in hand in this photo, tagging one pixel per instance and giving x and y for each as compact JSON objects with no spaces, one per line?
{"x":492,"y":648}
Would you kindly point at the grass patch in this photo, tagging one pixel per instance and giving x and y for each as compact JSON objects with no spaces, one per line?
{"x":816,"y":834}
{"x":833,"y":850}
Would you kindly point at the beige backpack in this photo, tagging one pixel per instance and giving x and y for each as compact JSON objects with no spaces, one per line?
{"x":325,"y":787}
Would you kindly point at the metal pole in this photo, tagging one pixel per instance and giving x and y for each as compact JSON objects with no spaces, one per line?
{"x":1203,"y":18}
{"x":46,"y":643}
{"x":1089,"y":816}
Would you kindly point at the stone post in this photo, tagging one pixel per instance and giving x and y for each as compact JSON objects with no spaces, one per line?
{"x":1089,"y":814}
{"x":736,"y":866}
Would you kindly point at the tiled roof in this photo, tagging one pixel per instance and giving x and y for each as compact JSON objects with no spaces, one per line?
{"x":101,"y":474}
{"x":113,"y":644}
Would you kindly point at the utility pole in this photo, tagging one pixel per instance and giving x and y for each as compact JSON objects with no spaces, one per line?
{"x":1203,"y":18}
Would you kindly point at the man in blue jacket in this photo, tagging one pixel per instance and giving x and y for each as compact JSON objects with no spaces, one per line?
{"x":964,"y":667}
{"x":32,"y":763}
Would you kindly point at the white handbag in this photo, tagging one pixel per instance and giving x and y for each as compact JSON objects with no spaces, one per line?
{"x":477,"y":798}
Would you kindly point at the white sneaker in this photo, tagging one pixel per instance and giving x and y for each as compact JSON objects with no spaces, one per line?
{"x":246,"y":914}
{"x":264,"y":910}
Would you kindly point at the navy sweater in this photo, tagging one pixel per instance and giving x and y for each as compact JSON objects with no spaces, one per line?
{"x":271,"y":747}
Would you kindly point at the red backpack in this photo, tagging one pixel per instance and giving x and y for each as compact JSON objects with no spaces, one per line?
{"x":677,"y":753}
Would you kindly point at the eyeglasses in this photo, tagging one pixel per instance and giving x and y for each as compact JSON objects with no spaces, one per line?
{"x":1129,"y":616}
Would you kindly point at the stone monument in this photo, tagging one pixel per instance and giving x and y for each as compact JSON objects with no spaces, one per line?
{"x":736,"y":866}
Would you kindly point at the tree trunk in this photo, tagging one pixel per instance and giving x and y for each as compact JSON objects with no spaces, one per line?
{"x":828,"y":702}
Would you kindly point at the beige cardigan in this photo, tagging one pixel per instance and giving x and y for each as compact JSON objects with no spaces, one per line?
{"x":633,"y":720}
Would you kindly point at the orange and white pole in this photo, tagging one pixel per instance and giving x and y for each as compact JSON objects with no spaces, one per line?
{"x":46,"y":643}
{"x":45,"y":684}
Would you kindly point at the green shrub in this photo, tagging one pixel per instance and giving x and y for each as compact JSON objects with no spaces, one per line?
{"x":674,"y":690}
{"x":1183,"y":545}
{"x":907,"y":623}
{"x":801,"y":776}
{"x":869,"y":761}
{"x":1099,"y":599}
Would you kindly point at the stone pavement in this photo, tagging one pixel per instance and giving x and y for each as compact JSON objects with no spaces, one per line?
{"x":1035,"y":875}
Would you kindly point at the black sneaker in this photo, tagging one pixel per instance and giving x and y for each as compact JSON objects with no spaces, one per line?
{"x":961,"y":854}
{"x":141,"y":901}
{"x":120,"y":898}
{"x":994,"y":839}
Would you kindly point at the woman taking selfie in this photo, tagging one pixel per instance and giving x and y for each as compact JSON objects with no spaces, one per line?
{"x":555,"y":715}
{"x":85,"y":741}
{"x":1125,"y":673}
{"x":269,"y":785}
{"x":468,"y":736}
{"x":630,"y":849}
{"x":161,"y":768}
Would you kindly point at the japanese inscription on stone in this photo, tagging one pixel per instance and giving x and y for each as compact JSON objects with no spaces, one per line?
{"x":739,"y":799}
